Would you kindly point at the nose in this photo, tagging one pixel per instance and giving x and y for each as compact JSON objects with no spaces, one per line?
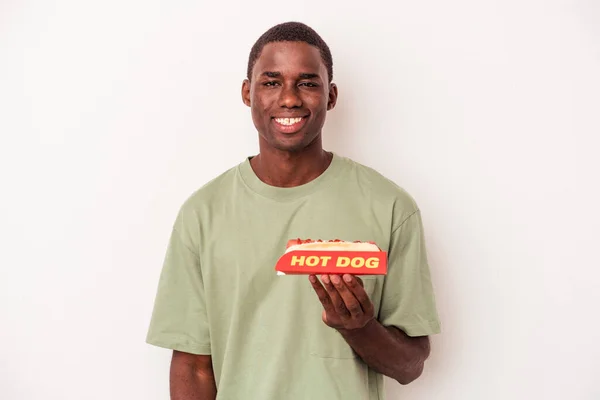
{"x":289,"y":98}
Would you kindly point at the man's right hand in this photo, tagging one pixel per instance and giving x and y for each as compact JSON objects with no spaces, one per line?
{"x":192,"y":377}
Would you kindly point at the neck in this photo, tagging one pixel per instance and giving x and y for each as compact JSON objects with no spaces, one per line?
{"x":288,"y":169}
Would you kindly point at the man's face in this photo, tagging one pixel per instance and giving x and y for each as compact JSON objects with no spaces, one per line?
{"x":289,"y":95}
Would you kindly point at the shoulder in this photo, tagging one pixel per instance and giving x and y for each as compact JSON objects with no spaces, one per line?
{"x":378,"y":184}
{"x":214,"y":189}
{"x":382,"y":188}
{"x":208,"y":196}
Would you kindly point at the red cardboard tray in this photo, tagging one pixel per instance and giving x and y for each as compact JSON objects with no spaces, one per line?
{"x":306,"y":262}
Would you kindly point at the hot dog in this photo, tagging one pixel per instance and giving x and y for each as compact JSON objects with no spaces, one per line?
{"x":332,"y":257}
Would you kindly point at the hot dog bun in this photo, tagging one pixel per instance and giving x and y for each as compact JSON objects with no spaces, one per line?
{"x":332,"y":245}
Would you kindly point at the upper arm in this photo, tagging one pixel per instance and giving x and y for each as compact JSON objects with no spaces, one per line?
{"x":192,"y":377}
{"x":408,"y":300}
{"x":199,"y":363}
{"x":420,"y":344}
{"x":179,"y":318}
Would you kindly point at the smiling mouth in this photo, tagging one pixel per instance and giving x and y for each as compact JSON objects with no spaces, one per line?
{"x":288,"y":121}
{"x":289,"y":125}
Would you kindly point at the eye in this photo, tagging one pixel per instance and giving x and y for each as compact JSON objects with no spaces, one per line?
{"x":309,"y":84}
{"x":271,"y":83}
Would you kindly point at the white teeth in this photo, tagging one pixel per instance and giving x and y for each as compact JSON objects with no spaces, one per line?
{"x":288,"y":121}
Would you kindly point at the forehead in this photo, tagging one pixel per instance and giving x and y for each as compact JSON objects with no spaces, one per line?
{"x":290,"y":58}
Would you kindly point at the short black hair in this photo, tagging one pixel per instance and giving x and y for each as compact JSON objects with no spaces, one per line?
{"x":291,"y":32}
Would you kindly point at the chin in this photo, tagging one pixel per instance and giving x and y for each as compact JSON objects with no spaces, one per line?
{"x":289,"y":147}
{"x":288,"y":142}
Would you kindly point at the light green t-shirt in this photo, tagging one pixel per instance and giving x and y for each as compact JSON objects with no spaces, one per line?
{"x":219,"y":293}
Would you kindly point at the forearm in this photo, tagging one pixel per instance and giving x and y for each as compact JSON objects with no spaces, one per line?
{"x":191,"y":382}
{"x":389,"y":351}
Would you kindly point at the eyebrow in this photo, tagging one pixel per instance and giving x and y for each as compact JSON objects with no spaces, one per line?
{"x":271,"y":74}
{"x":309,"y":76}
{"x":305,"y":75}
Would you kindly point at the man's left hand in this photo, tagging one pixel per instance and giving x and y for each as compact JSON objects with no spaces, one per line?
{"x":346,"y":305}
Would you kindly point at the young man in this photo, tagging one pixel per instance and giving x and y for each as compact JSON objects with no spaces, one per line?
{"x":239,"y":331}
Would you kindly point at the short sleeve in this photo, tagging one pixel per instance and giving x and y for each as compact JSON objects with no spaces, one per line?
{"x":408,"y":300}
{"x":179,"y":319}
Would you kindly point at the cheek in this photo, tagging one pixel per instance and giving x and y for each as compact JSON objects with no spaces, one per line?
{"x":260,"y":105}
{"x":318,"y":102}
{"x":257,"y":107}
{"x":320,"y":106}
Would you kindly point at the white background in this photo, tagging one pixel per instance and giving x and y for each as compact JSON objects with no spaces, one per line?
{"x":487,"y":112}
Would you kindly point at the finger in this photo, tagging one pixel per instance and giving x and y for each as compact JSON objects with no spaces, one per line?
{"x":350,"y":302}
{"x":356,"y":287}
{"x":359,"y":281}
{"x":321,"y":294}
{"x":336,"y":300}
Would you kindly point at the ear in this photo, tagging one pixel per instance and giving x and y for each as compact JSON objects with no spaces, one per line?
{"x":333,"y":95}
{"x":246,"y":92}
